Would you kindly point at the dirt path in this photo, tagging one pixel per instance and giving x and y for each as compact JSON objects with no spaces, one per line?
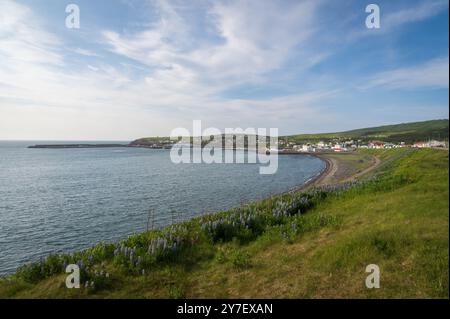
{"x":329,"y":175}
{"x":332,"y":171}
{"x":376,"y":162}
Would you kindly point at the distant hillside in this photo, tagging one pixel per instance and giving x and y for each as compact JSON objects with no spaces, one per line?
{"x":405,"y":132}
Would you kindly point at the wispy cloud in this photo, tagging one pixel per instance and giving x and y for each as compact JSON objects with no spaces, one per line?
{"x":22,"y":41}
{"x":86,"y":52}
{"x":241,"y":47}
{"x":415,"y":13}
{"x":432,"y":74}
{"x":180,"y":65}
{"x":394,"y":19}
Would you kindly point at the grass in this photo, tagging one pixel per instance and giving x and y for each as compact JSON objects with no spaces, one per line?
{"x":397,"y":219}
{"x":349,"y":164}
{"x":406,"y":132}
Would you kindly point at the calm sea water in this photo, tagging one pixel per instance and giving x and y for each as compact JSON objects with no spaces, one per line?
{"x":70,"y":199}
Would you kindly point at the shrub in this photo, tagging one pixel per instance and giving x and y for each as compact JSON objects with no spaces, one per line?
{"x":240,"y":259}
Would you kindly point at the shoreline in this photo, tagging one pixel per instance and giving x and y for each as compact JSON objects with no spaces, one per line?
{"x":315,"y":180}
{"x":330,"y":169}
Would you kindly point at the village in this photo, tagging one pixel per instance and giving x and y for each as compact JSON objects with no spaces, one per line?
{"x":284,"y":145}
{"x":350,"y":145}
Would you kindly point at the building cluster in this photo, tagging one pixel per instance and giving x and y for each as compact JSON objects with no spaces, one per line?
{"x":284,"y":145}
{"x":351,"y":145}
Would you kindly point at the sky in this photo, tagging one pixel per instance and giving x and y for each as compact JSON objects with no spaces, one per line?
{"x":139,"y":68}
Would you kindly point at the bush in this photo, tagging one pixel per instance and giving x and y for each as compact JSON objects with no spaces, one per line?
{"x":240,"y":259}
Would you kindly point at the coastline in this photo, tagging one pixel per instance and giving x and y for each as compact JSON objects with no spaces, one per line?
{"x":327,"y":227}
{"x":327,"y":171}
{"x":334,"y":171}
{"x":318,"y":178}
{"x":331,"y":166}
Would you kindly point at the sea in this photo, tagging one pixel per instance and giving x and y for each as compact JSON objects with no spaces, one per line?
{"x":65,"y":200}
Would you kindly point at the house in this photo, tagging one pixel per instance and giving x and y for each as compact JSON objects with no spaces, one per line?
{"x":339,"y":148}
{"x":307,"y":148}
{"x":376,"y":145}
{"x":420,"y":144}
{"x":435,"y":143}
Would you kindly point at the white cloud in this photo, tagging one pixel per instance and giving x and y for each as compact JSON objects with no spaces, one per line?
{"x":21,"y":40}
{"x":244,"y":46}
{"x":86,"y":52}
{"x":41,"y":98}
{"x":392,"y":20}
{"x":169,"y":73}
{"x":432,"y":74}
{"x":422,"y":11}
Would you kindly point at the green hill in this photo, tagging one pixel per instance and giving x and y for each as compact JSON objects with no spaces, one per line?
{"x":405,"y":132}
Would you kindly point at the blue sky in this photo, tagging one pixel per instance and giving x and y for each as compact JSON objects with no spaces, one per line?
{"x":142,"y":68}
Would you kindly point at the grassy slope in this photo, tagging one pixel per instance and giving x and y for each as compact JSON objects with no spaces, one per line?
{"x":406,"y":132}
{"x":402,"y":227}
